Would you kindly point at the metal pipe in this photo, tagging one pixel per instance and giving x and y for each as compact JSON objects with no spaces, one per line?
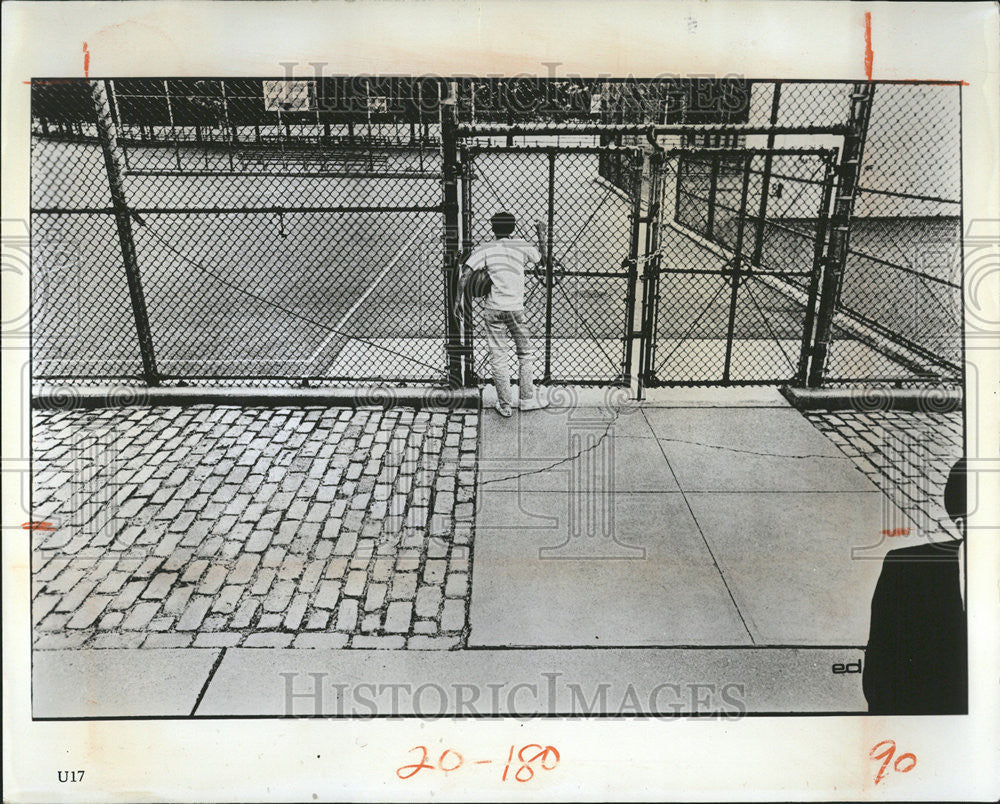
{"x":633,"y":266}
{"x":713,"y":191}
{"x":173,"y":129}
{"x":650,"y":276}
{"x":465,"y":175}
{"x":819,"y":248}
{"x":637,"y":130}
{"x":843,"y":208}
{"x":549,"y":269}
{"x":227,"y":122}
{"x":651,"y":139}
{"x":737,"y":273}
{"x":271,"y":209}
{"x":765,"y":186}
{"x":546,"y":149}
{"x":108,"y":137}
{"x":450,"y":204}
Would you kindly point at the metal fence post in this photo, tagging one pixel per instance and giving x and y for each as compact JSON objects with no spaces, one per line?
{"x":173,"y":128}
{"x":765,"y":184}
{"x":109,"y":144}
{"x":230,"y":128}
{"x":467,"y":173}
{"x":819,"y":244}
{"x":683,"y":171}
{"x":849,"y":172}
{"x":632,"y":262}
{"x":449,"y":188}
{"x":650,"y":273}
{"x":549,"y":266}
{"x":737,"y":268}
{"x":116,"y":120}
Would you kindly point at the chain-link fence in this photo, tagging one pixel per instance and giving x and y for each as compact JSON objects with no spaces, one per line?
{"x":283,"y":271}
{"x":577,"y":305}
{"x":267,"y":230}
{"x":898,"y":315}
{"x":899,"y":308}
{"x":359,"y":126}
{"x":731,"y":292}
{"x":903,"y":275}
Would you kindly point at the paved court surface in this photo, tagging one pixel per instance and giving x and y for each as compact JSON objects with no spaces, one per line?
{"x":220,"y":287}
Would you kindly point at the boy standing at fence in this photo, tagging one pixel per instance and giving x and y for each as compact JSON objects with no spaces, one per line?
{"x":505,"y":258}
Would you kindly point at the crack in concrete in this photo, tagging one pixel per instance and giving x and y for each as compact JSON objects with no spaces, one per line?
{"x":561,"y":461}
{"x":761,"y":454}
{"x":607,"y":432}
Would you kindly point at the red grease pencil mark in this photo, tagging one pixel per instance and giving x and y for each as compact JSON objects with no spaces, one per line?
{"x":36,"y":525}
{"x":869,"y":53}
{"x":86,"y":60}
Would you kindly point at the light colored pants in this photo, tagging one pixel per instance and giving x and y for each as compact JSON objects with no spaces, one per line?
{"x":498,"y":324}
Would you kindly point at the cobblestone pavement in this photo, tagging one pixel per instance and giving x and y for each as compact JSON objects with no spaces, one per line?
{"x":907,"y":455}
{"x":222,"y":526}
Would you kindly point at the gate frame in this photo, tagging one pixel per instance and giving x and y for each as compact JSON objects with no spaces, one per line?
{"x":467,"y":154}
{"x":812,"y":357}
{"x":848,"y":175}
{"x":734,"y":271}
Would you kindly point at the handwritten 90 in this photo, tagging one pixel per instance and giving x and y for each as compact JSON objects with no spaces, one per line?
{"x":529,"y":758}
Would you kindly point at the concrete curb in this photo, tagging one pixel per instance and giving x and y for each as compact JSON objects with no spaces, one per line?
{"x":923,"y":400}
{"x":111,"y":396}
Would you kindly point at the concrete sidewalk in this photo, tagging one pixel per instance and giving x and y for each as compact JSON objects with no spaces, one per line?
{"x":289,"y":682}
{"x":667,"y":524}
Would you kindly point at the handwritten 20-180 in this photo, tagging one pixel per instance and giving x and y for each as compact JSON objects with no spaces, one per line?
{"x":520,"y":767}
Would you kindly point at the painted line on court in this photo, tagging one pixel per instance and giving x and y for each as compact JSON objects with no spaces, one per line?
{"x":338,"y":327}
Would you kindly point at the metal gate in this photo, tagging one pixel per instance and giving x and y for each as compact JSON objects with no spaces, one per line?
{"x":581,"y":206}
{"x":727,"y":298}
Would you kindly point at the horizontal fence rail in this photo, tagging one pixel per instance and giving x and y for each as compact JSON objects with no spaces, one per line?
{"x":527,"y":129}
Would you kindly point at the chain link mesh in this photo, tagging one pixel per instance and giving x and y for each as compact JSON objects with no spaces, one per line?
{"x":898,"y":317}
{"x":582,"y":341}
{"x":715,"y":324}
{"x":903,"y":275}
{"x":377,"y":126}
{"x":316,"y":261}
{"x":293,"y":229}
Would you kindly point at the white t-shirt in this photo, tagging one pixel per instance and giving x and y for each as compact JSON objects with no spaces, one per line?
{"x":505,"y":260}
